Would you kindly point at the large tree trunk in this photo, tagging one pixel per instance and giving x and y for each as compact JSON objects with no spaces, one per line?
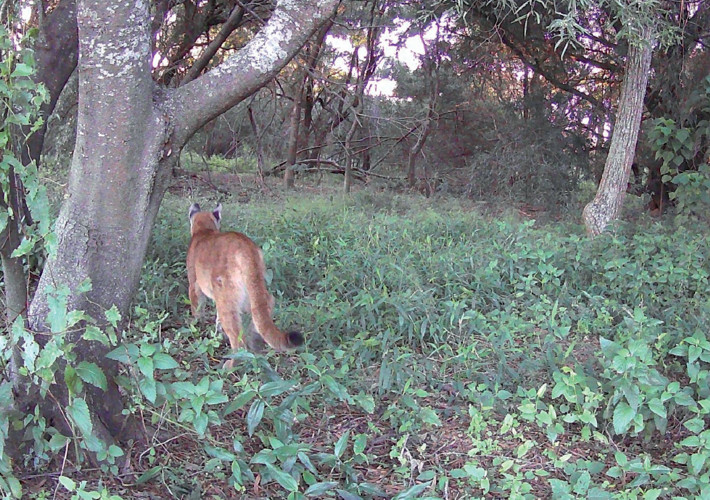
{"x":129,"y":134}
{"x":609,"y":199}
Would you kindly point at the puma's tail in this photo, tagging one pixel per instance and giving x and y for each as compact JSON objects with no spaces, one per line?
{"x":261,"y":304}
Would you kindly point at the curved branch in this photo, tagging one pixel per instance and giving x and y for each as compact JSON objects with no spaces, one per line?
{"x":206,"y":97}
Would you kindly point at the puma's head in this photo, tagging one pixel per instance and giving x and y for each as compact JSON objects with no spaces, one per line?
{"x":204,"y":220}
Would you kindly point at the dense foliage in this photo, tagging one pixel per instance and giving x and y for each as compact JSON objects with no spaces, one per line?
{"x":448,"y":355}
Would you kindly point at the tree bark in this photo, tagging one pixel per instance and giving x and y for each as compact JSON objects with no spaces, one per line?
{"x":609,"y":199}
{"x":129,"y":135}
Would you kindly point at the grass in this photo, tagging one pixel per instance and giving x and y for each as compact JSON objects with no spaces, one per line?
{"x":448,"y":355}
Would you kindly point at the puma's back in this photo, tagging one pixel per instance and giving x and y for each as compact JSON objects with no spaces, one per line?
{"x":229,"y":268}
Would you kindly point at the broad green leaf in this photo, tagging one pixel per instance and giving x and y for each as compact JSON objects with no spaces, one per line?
{"x":336,"y":388}
{"x":359,"y":443}
{"x":149,"y":388}
{"x":366,"y":402}
{"x":200,"y":423}
{"x":78,"y":411}
{"x":22,"y":70}
{"x":342,"y":444}
{"x":695,"y":425}
{"x":220,"y":453}
{"x":92,"y":374}
{"x":124,"y":353}
{"x":145,"y":365}
{"x":256,"y":412}
{"x":57,"y":442}
{"x":623,"y":416}
{"x":163,"y":361}
{"x":24,"y":248}
{"x":149,"y":474}
{"x":429,"y":416}
{"x":239,"y":401}
{"x":413,"y":492}
{"x":113,"y":316}
{"x":284,"y":479}
{"x":319,"y":489}
{"x":271,"y":389}
{"x":93,"y":333}
{"x":68,"y":483}
{"x":697,"y":460}
{"x":582,"y":484}
{"x":657,"y":407}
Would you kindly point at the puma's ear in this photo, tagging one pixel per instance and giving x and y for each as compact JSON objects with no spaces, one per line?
{"x":218,"y":212}
{"x":194,"y":208}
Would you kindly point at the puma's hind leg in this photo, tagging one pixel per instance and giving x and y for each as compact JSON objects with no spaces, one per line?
{"x":231,"y":323}
{"x":196,"y":298}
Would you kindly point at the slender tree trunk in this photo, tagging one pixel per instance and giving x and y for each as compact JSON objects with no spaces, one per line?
{"x":12,"y":267}
{"x":295,"y":122}
{"x":259,"y":147}
{"x":609,"y":199}
{"x":432,"y":63}
{"x":349,"y":154}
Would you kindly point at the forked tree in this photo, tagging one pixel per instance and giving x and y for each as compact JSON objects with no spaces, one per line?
{"x":130,"y":131}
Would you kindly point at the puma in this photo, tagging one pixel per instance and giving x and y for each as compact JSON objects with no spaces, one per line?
{"x":229,"y":268}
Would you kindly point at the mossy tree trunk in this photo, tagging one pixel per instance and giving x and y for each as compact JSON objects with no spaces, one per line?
{"x":609,"y":199}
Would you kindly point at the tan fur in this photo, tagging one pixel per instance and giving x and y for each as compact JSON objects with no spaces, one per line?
{"x":229,"y":268}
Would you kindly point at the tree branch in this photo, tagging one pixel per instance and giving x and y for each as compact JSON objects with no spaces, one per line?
{"x":252,"y":67}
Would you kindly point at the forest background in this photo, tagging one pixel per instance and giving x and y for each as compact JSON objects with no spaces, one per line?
{"x":421,"y":217}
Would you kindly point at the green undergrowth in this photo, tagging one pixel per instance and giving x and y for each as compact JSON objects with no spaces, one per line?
{"x":448,"y":355}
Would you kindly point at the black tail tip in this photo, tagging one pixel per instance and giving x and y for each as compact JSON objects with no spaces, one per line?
{"x":295,"y":339}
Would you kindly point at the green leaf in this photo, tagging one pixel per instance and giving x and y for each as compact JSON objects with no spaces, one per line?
{"x":256,"y":412}
{"x":24,"y":248}
{"x":149,"y":474}
{"x":336,"y":388}
{"x":79,"y":413}
{"x":124,"y":353}
{"x":623,"y":416}
{"x":413,"y":492}
{"x":697,"y":460}
{"x":239,"y":401}
{"x":271,"y":389}
{"x":145,"y":365}
{"x":319,"y":489}
{"x":163,"y":361}
{"x":657,"y":407}
{"x":582,"y":484}
{"x":342,"y":444}
{"x":93,"y":333}
{"x":57,"y":442}
{"x":22,"y":70}
{"x":92,"y":374}
{"x":220,"y":453}
{"x":149,"y":388}
{"x":284,"y":479}
{"x":113,"y":316}
{"x":429,"y":416}
{"x":695,"y":425}
{"x":366,"y":402}
{"x":68,"y":483}
{"x":359,"y":444}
